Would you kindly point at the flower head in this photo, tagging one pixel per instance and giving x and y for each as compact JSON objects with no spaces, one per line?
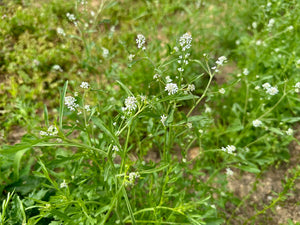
{"x":130,"y":103}
{"x":140,"y":40}
{"x":256,"y":123}
{"x":171,"y":88}
{"x":84,"y":85}
{"x":185,"y":41}
{"x":229,"y":149}
{"x":221,"y":60}
{"x":163,"y":119}
{"x":272,"y":91}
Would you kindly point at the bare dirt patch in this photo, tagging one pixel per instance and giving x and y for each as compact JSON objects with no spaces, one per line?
{"x":268,"y":186}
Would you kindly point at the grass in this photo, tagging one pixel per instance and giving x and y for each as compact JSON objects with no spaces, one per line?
{"x":215,"y":78}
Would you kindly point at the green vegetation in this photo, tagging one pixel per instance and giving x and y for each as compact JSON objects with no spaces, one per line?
{"x":139,"y":112}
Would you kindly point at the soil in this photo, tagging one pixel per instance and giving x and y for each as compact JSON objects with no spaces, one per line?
{"x":270,"y":183}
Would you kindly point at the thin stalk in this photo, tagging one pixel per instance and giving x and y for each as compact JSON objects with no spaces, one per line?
{"x":203,"y":95}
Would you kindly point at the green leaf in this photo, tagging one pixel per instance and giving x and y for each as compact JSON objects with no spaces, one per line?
{"x":250,"y":168}
{"x":235,"y":126}
{"x":125,"y":88}
{"x":276,"y":130}
{"x":46,"y":116}
{"x":17,"y":161}
{"x":100,"y":124}
{"x":290,"y":119}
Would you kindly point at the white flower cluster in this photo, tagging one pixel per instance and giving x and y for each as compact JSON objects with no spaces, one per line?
{"x":185,"y":41}
{"x":63,"y":184}
{"x":222,"y":91}
{"x":163,"y":119}
{"x":84,"y":85}
{"x":132,"y":177}
{"x":256,"y":123}
{"x":229,"y":172}
{"x":87,"y":108}
{"x":191,"y":87}
{"x":229,"y":149}
{"x":171,"y":88}
{"x":115,"y":148}
{"x":70,"y":102}
{"x":271,"y":23}
{"x":105,"y":52}
{"x":221,"y":60}
{"x":246,"y":71}
{"x":130,"y":57}
{"x":140,"y":40}
{"x":130,"y":104}
{"x":60,"y":31}
{"x":57,"y":68}
{"x":52,"y":131}
{"x":71,"y":17}
{"x":269,"y":89}
{"x":289,"y":132}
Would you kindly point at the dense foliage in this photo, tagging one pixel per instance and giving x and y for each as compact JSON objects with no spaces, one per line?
{"x":138,"y":112}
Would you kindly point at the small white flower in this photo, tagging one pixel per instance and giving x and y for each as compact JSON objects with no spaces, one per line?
{"x":132,"y":177}
{"x":189,"y":125}
{"x":191,"y":87}
{"x":254,"y":25}
{"x":180,"y":69}
{"x":221,"y":60}
{"x":130,"y":103}
{"x":222,"y":91}
{"x":258,"y":42}
{"x":290,"y":28}
{"x":237,"y":42}
{"x":297,"y":85}
{"x":185,"y":41}
{"x":115,"y":148}
{"x":57,"y":68}
{"x":272,"y":91}
{"x":70,"y":102}
{"x":43,"y":133}
{"x":84,"y":85}
{"x":130,"y":57}
{"x":163,"y":119}
{"x":140,"y":40}
{"x":246,"y":71}
{"x":60,"y":31}
{"x":171,"y":88}
{"x":271,"y":23}
{"x":289,"y":132}
{"x":298,"y":62}
{"x":143,"y":98}
{"x":105,"y":52}
{"x":63,"y":184}
{"x":200,"y":131}
{"x":266,"y":86}
{"x":229,"y":149}
{"x":71,"y":17}
{"x":256,"y":123}
{"x":176,"y":49}
{"x":207,"y":109}
{"x":168,"y":79}
{"x":156,"y":76}
{"x":87,"y":108}
{"x":257,"y":87}
{"x":229,"y":172}
{"x":52,"y":131}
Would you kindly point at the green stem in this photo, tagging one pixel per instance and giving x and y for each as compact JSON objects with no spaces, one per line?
{"x":203,"y":95}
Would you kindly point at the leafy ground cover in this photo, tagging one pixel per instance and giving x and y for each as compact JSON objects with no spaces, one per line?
{"x":149,"y":112}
